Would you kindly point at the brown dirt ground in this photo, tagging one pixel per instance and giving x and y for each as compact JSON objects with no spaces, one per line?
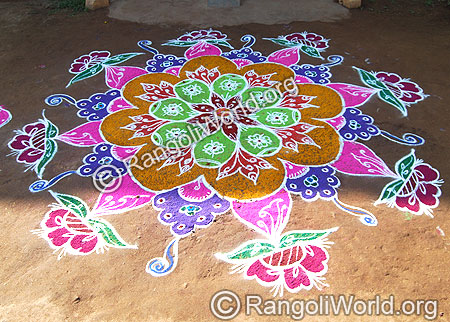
{"x":407,"y":258}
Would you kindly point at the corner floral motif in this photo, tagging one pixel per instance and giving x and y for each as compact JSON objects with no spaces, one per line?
{"x":417,"y":189}
{"x":93,"y":63}
{"x":34,"y":145}
{"x":393,"y":89}
{"x":309,"y":43}
{"x":70,"y":228}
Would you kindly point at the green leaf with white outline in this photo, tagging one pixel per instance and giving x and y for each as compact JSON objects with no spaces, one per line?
{"x":311,"y":51}
{"x":51,"y":130}
{"x":249,"y":250}
{"x":108,"y":233}
{"x":283,"y":42}
{"x":391,"y":190}
{"x":189,"y":43}
{"x":220,"y":42}
{"x":50,"y":150}
{"x":74,"y":204}
{"x":90,"y":72}
{"x":293,"y":238}
{"x":117,"y":59}
{"x":404,"y":166}
{"x":369,"y":79}
{"x":180,"y":43}
{"x":387,"y":96}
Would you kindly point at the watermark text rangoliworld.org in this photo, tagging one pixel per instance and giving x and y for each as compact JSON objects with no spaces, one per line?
{"x":226,"y":305}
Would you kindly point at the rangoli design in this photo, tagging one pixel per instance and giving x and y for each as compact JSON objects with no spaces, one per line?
{"x":224,"y":131}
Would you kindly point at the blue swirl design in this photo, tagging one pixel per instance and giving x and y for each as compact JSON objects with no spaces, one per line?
{"x":365,"y":217}
{"x":42,"y":185}
{"x":161,"y":266}
{"x":249,"y":40}
{"x":56,"y":99}
{"x":334,"y":60}
{"x":408,"y":138}
{"x":145,"y":44}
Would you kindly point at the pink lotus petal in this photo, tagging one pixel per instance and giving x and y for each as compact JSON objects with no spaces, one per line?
{"x":202,"y":49}
{"x":117,"y":77}
{"x":303,"y":80}
{"x":5,"y":116}
{"x":123,"y":153}
{"x":358,"y":159}
{"x":268,"y":216}
{"x":118,"y":104}
{"x":337,"y":122}
{"x":287,"y":56}
{"x":128,"y":196}
{"x":87,"y":134}
{"x":173,"y":70}
{"x":294,"y":170}
{"x":195,"y":191}
{"x":353,"y":95}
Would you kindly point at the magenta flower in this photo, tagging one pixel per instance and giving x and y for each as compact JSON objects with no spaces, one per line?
{"x":66,"y":231}
{"x":405,"y":90}
{"x":203,"y":35}
{"x":309,"y":39}
{"x":29,"y":144}
{"x":71,"y":228}
{"x":86,"y":61}
{"x":416,"y":189}
{"x":296,"y":268}
{"x":421,"y":191}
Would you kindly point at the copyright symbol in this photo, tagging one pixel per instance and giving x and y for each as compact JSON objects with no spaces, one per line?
{"x":104,"y":181}
{"x":228,"y":310}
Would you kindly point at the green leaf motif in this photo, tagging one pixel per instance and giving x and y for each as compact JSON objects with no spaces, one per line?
{"x":74,"y":204}
{"x":180,"y":43}
{"x":108,"y":233}
{"x":283,"y":42}
{"x":387,"y":96}
{"x":391,"y":190}
{"x":290,"y":239}
{"x":369,"y":79}
{"x":51,"y":130}
{"x":50,"y":150}
{"x":404,"y":166}
{"x":91,"y":71}
{"x":250,"y":250}
{"x":220,"y":42}
{"x":114,"y":60}
{"x":311,"y":51}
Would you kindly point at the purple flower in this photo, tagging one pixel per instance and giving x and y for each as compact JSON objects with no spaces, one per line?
{"x":160,"y":63}
{"x":318,"y":74}
{"x":317,"y":182}
{"x":185,"y":215}
{"x":95,"y":108}
{"x":357,"y":125}
{"x":102,"y":158}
